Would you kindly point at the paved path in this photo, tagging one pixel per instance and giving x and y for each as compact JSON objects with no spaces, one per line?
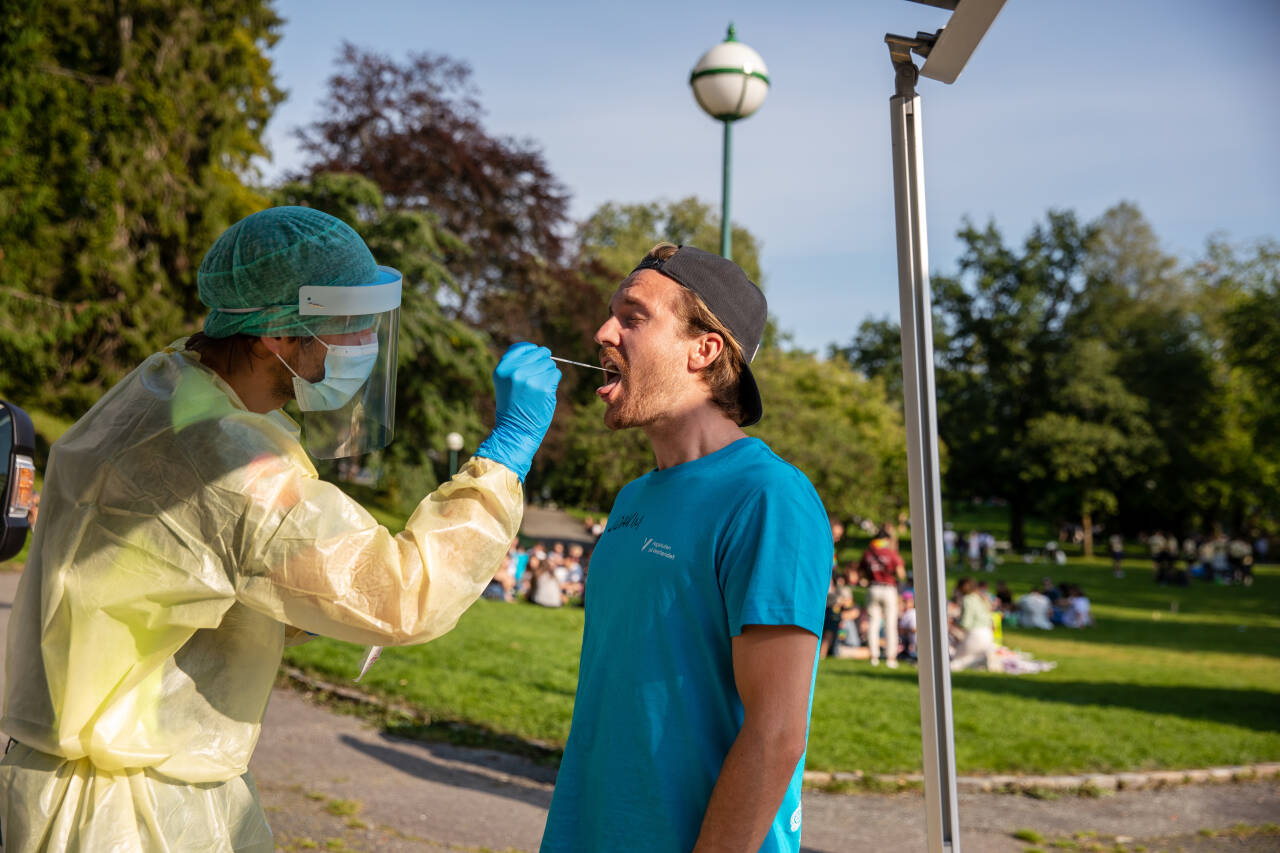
{"x":550,"y":525}
{"x":330,"y":780}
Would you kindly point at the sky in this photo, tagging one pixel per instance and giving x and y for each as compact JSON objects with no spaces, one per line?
{"x":1066,"y":104}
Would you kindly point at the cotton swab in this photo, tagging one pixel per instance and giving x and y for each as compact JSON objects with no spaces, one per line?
{"x":581,"y":364}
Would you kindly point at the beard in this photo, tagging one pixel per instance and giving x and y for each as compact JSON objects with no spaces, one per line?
{"x":643,"y":397}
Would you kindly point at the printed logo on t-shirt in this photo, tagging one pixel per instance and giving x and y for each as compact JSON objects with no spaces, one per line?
{"x":661,"y":549}
{"x":621,"y":522}
{"x":796,"y":817}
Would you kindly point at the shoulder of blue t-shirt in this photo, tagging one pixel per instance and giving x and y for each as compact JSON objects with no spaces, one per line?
{"x":744,"y":470}
{"x":739,"y":460}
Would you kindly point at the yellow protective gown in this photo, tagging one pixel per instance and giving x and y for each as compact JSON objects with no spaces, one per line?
{"x":182,"y":539}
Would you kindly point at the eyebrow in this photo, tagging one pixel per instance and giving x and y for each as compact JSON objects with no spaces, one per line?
{"x":627,"y":301}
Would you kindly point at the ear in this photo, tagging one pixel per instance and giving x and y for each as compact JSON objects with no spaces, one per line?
{"x":279,"y":346}
{"x":704,"y":350}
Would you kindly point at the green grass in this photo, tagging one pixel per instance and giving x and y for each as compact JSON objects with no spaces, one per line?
{"x":1169,"y":678}
{"x":1146,"y":688}
{"x":508,"y":668}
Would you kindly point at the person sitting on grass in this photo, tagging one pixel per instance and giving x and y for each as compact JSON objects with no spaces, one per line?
{"x":1004,"y":596}
{"x":1240,"y":558}
{"x":907,"y":625}
{"x":1078,"y":613}
{"x":1035,"y":610}
{"x":1049,"y":589}
{"x":850,"y":620}
{"x":575,"y":582}
{"x":833,"y":615}
{"x":977,"y":640}
{"x":504,"y":581}
{"x":544,"y":587}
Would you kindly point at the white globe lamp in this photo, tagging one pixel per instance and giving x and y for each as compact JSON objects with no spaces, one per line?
{"x":729,"y":82}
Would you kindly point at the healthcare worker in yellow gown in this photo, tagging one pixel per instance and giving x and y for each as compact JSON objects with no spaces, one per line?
{"x":184,"y":539}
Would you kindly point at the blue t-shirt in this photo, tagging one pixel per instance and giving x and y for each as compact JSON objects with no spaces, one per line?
{"x":692,"y":554}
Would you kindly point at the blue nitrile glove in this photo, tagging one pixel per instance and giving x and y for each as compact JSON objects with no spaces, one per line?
{"x":525,"y":383}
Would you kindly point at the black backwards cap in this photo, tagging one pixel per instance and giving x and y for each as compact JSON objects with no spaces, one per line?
{"x":735,"y":301}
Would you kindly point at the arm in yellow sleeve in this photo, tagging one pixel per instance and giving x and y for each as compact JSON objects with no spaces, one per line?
{"x":315,"y":559}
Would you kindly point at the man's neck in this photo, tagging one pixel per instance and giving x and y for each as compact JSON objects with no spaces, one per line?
{"x":691,"y":434}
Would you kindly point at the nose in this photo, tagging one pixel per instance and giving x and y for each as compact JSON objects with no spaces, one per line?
{"x":607,"y":334}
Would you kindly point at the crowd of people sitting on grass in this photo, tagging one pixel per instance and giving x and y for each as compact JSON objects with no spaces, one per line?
{"x":887,"y":624}
{"x":548,"y":575}
{"x":1047,"y":605}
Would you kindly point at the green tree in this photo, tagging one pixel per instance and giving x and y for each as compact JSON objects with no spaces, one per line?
{"x":876,"y":352}
{"x":1239,"y":288}
{"x":1090,"y":374}
{"x":1003,"y":316}
{"x":838,"y":428}
{"x":616,"y":236}
{"x":415,"y":128}
{"x":127,"y":129}
{"x":1094,"y":438}
{"x":1139,"y":302}
{"x":443,"y":382}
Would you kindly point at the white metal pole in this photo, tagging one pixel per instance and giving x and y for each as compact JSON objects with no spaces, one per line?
{"x":929,"y":567}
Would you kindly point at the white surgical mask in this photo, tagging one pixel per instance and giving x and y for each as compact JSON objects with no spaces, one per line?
{"x":345,"y":370}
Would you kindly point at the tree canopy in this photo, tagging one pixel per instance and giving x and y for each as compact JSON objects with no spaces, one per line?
{"x":415,"y":128}
{"x":1089,"y":373}
{"x":125,"y":142}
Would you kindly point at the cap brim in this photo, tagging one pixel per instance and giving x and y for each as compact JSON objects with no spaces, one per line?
{"x":749,"y":398}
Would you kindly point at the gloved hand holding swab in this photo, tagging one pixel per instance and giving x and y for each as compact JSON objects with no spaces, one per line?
{"x":374,"y":651}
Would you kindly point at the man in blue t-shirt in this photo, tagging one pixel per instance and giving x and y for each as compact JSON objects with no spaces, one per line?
{"x":706,"y":592}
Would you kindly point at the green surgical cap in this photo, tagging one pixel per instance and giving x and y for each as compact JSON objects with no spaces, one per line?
{"x":260,"y":263}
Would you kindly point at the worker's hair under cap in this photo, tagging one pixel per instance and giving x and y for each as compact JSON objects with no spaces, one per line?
{"x":251,"y":275}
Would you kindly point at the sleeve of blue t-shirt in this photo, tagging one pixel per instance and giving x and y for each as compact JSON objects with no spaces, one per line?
{"x":774,"y":560}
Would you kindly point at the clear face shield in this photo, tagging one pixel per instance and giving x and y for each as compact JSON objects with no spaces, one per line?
{"x":349,"y":410}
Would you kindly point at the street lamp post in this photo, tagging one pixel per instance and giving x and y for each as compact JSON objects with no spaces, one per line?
{"x":453,"y":441}
{"x":729,"y":82}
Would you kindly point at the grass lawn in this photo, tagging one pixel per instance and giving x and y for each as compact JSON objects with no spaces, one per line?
{"x":1169,"y":678}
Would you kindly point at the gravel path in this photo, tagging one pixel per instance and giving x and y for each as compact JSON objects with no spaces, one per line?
{"x":415,"y":796}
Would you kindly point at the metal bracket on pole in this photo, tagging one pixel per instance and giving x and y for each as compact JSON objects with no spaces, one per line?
{"x":929,"y":567}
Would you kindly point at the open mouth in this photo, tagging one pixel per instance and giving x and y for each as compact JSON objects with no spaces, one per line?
{"x":614,"y":378}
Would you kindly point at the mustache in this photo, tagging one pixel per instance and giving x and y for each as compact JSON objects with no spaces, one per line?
{"x":613,"y":355}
